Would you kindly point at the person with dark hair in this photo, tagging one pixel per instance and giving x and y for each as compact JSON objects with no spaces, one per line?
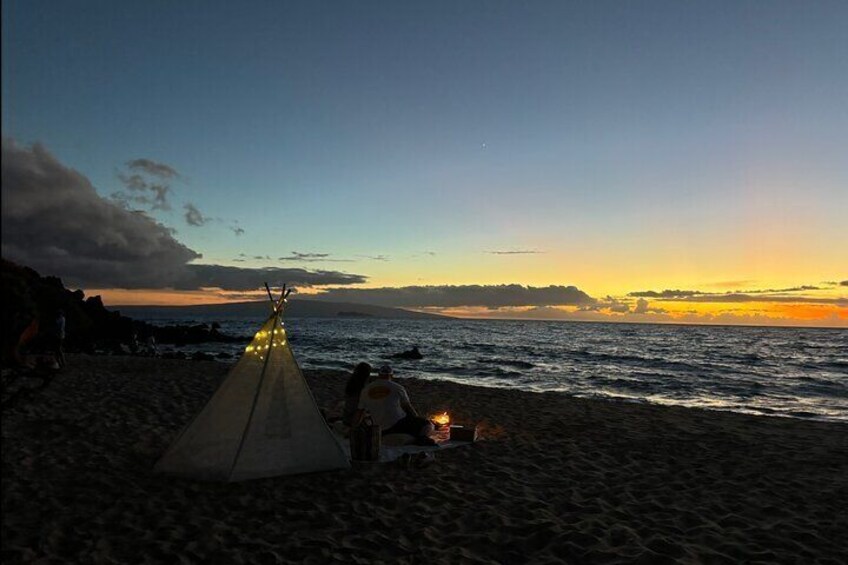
{"x":357,"y":381}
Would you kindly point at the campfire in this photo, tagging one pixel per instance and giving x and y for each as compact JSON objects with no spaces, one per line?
{"x":441,"y":420}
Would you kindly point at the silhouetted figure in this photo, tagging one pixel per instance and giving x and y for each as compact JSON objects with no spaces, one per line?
{"x":357,"y":381}
{"x":151,"y":346}
{"x":58,"y":338}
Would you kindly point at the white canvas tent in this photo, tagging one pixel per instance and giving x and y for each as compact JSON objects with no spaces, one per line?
{"x":261,"y":422}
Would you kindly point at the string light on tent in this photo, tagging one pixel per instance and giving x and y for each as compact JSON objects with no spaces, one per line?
{"x":257,"y":349}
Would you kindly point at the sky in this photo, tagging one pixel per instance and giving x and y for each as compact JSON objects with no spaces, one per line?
{"x":617,"y":161}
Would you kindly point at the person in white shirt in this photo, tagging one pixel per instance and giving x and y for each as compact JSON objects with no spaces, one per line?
{"x":388,"y":404}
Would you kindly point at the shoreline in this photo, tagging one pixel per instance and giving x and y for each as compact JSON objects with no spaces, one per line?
{"x":556,"y":477}
{"x":623,"y":400}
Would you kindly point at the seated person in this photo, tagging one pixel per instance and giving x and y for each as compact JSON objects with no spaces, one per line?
{"x":357,"y":381}
{"x":390,"y":408}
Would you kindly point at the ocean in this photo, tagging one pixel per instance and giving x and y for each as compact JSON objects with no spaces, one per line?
{"x":792,"y":372}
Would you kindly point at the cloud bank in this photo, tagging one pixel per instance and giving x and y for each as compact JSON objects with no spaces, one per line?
{"x":54,"y":221}
{"x":778,"y":295}
{"x":237,"y":278}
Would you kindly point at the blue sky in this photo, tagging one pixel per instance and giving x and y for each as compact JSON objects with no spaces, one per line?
{"x":651,"y":133}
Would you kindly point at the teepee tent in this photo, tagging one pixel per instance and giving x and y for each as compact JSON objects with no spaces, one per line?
{"x":261,"y":422}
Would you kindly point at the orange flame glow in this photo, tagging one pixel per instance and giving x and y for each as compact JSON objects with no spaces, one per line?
{"x":441,"y":419}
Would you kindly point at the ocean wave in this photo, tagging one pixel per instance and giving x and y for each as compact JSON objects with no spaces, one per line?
{"x":509,"y":362}
{"x":774,"y":371}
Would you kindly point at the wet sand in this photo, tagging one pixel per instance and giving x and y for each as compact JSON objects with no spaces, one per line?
{"x":555,"y":479}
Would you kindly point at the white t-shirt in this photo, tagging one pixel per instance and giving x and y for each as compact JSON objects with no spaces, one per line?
{"x":382,"y":399}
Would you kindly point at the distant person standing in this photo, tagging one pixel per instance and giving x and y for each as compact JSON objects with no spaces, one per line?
{"x":152,"y":350}
{"x":58,"y":338}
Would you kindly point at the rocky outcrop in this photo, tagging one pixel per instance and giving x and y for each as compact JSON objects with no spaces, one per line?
{"x":90,"y":327}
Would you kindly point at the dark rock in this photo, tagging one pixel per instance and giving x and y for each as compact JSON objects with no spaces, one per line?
{"x":28,"y":297}
{"x":198,"y":333}
{"x":411,"y":354}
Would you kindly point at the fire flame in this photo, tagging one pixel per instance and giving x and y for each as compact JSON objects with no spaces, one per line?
{"x":441,"y":419}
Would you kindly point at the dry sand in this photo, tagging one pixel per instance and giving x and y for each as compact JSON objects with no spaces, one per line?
{"x":556,"y":479}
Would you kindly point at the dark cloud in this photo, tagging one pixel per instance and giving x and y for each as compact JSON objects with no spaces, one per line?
{"x":153,"y":168}
{"x":133,"y":182}
{"x":160,"y":196}
{"x":802,"y":288}
{"x":55,"y":222}
{"x":742,"y":297}
{"x":492,"y":296}
{"x":607,"y":303}
{"x":298,"y":256}
{"x":312,"y":257}
{"x":375,"y":257}
{"x":193,"y":217}
{"x":620,"y":307}
{"x":240,"y":279}
{"x":643,"y":307}
{"x":237,"y":230}
{"x":141,"y":192}
{"x":151,"y":193}
{"x":664,"y":293}
{"x":784,"y":295}
{"x":516,"y":252}
{"x":843,"y":283}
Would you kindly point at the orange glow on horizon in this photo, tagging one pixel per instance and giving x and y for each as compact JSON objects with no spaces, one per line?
{"x":658,"y":311}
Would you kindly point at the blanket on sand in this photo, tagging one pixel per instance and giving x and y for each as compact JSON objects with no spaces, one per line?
{"x":394,"y":446}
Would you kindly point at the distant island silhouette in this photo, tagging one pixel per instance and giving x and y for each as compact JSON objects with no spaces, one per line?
{"x":296,"y":308}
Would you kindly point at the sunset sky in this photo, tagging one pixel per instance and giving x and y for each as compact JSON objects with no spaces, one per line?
{"x":627,"y":161}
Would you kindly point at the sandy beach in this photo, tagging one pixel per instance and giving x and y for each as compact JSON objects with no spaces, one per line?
{"x":554,"y":479}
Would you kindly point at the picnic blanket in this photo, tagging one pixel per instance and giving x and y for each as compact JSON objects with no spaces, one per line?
{"x":394,"y":446}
